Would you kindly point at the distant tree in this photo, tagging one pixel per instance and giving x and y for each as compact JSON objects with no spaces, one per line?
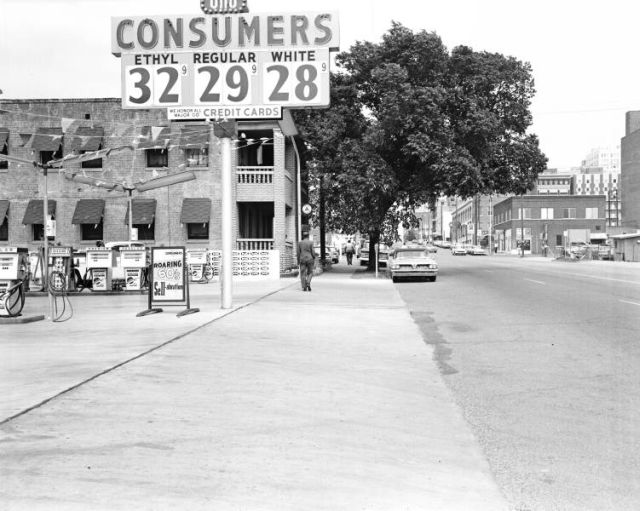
{"x":409,"y":122}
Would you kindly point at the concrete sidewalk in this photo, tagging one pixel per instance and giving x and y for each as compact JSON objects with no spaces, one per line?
{"x":328,"y":400}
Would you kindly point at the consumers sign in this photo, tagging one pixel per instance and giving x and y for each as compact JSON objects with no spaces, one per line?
{"x":233,"y":66}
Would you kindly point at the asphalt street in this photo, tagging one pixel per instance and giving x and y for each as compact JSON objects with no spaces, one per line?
{"x":542,"y":357}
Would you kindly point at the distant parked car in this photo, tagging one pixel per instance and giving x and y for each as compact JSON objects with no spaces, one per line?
{"x":431,"y":249}
{"x":412,"y":262}
{"x":458,"y":249}
{"x":476,"y":250}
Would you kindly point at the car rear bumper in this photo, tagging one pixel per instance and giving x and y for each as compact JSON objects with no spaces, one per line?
{"x":414,"y":273}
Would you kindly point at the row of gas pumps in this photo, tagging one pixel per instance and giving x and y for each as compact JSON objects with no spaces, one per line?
{"x":99,"y":269}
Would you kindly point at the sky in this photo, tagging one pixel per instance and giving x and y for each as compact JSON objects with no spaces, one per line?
{"x":584,"y":53}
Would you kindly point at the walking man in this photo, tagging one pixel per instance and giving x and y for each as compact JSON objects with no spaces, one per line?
{"x":349,"y":249}
{"x":306,"y":261}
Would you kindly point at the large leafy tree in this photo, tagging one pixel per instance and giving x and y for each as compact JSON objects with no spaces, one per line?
{"x":410,"y":121}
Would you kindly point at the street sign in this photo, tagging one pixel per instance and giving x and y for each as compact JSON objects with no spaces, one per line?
{"x":231,"y":84}
{"x":306,"y":209}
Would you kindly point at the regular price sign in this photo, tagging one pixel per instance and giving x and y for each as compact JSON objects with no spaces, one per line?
{"x":237,"y":66}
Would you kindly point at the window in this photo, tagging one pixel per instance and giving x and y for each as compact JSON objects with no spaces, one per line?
{"x":199,"y":231}
{"x":91,"y":232}
{"x":524,"y":213}
{"x":4,"y":147}
{"x":255,"y":149}
{"x":558,"y":240}
{"x":591,"y":213}
{"x":91,"y":164}
{"x":569,"y":213}
{"x":157,"y":158}
{"x":197,"y":157}
{"x":4,"y":230}
{"x":546,"y":213}
{"x":47,"y":156}
{"x":38,"y":232}
{"x":145,"y":231}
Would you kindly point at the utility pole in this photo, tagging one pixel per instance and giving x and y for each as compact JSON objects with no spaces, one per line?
{"x":322,"y":228}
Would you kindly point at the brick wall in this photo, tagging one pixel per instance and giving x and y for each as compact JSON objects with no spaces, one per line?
{"x":22,"y":182}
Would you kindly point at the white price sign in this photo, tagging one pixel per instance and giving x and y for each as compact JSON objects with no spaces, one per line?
{"x":249,"y":83}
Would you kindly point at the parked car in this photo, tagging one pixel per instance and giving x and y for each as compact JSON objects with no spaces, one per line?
{"x":412,"y":262}
{"x":476,"y":250}
{"x":458,"y":249}
{"x":383,"y":255}
{"x":330,"y":253}
{"x":431,"y":249}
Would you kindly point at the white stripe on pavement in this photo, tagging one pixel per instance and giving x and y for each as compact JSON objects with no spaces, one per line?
{"x":537,"y":282}
{"x":632,"y":303}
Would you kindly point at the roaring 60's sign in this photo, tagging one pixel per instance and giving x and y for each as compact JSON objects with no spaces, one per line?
{"x":234,"y":66}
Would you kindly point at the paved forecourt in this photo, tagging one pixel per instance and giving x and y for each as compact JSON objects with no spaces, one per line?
{"x":322,"y":400}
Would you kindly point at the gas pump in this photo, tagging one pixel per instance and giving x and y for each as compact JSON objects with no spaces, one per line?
{"x":133,"y":261}
{"x":61,"y":269}
{"x":100,"y":262}
{"x":196,"y":259}
{"x":14,"y":263}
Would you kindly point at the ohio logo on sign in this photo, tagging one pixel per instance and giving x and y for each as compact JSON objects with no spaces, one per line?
{"x":223,"y":6}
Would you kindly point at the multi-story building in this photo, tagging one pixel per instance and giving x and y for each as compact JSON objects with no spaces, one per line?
{"x":605,"y":158}
{"x":630,"y":172}
{"x":471,"y":219}
{"x":539,"y":221}
{"x":595,"y":181}
{"x":553,"y":183}
{"x":189,"y":213}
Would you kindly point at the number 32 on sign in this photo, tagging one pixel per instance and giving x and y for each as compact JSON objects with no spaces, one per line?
{"x":288,"y":78}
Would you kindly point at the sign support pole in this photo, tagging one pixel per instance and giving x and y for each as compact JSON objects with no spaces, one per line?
{"x":225,"y":131}
{"x":45,"y":252}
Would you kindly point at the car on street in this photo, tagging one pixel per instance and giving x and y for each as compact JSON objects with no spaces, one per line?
{"x":432,"y":249}
{"x":411,"y":262}
{"x":476,"y":250}
{"x":383,"y":255}
{"x":458,"y":249}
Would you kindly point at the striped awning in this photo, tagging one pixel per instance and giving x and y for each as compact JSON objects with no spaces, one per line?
{"x":4,"y":209}
{"x":47,"y":139}
{"x":88,"y":211}
{"x":34,"y":212}
{"x":86,"y":139}
{"x":194,"y":136}
{"x":144,"y":211}
{"x":4,"y":136}
{"x":154,"y":137}
{"x":195,"y":211}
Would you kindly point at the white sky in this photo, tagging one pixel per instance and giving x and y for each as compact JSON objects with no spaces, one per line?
{"x":584,"y":53}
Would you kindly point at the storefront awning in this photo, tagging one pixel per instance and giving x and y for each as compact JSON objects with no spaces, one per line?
{"x":88,"y":211}
{"x":86,"y":139}
{"x":154,"y":137}
{"x":47,"y":139}
{"x":144,"y":211}
{"x":194,"y":136}
{"x":4,"y":136}
{"x":195,"y":211}
{"x":4,"y":209}
{"x":33,"y":214}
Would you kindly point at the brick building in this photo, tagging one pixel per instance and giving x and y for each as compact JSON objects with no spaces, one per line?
{"x":630,"y":172}
{"x":188,"y":214}
{"x":541,"y":220}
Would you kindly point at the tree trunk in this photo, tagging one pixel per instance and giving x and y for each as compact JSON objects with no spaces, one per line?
{"x":374,"y":239}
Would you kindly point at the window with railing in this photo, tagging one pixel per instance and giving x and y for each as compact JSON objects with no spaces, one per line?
{"x":255,"y":175}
